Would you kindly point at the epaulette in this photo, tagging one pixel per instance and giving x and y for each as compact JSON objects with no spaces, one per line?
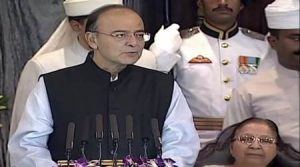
{"x":253,"y":34}
{"x":186,"y":33}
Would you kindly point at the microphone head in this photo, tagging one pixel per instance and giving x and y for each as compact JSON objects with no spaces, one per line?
{"x":129,"y":127}
{"x":99,"y":126}
{"x":85,"y":130}
{"x":70,"y":136}
{"x":114,"y":127}
{"x":155,"y":132}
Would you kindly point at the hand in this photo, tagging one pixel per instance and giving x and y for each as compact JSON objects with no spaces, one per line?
{"x":168,"y":39}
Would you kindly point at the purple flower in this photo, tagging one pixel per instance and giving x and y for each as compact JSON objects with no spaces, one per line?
{"x":81,"y":162}
{"x":128,"y":161}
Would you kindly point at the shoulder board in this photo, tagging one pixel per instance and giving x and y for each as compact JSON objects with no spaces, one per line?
{"x":253,"y":34}
{"x":186,"y":33}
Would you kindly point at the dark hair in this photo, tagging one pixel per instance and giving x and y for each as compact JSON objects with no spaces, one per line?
{"x":79,"y":19}
{"x":92,"y":20}
{"x":222,"y":143}
{"x":246,"y":2}
{"x":274,"y":32}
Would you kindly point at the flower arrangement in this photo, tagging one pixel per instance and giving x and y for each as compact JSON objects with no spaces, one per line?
{"x":144,"y":162}
{"x":129,"y":161}
{"x":3,"y":103}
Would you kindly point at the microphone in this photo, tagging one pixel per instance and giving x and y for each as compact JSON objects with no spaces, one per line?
{"x":145,"y":138}
{"x":99,"y":136}
{"x":85,"y":135}
{"x":114,"y":135}
{"x":156,"y":135}
{"x":69,"y":141}
{"x":129,"y":132}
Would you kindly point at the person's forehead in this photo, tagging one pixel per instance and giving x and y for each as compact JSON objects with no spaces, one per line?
{"x":290,"y":31}
{"x":118,"y":13}
{"x":120,"y":18}
{"x":256,"y":128}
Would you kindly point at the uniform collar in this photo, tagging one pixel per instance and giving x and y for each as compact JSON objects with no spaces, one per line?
{"x":217,"y":33}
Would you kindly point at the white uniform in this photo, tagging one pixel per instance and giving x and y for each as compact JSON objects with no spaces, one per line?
{"x":274,"y":95}
{"x":70,"y":55}
{"x":209,"y":68}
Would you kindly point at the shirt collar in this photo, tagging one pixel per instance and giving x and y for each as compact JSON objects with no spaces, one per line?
{"x":217,"y":33}
{"x":286,"y":73}
{"x":101,"y":74}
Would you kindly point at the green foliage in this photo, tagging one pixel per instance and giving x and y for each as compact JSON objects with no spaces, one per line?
{"x":3,"y":103}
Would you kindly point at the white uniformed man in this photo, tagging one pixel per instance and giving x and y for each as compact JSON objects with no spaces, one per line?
{"x":274,"y":93}
{"x":66,"y":47}
{"x":213,"y":59}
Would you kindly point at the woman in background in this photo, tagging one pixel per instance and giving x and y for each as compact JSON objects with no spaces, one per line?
{"x":254,"y":142}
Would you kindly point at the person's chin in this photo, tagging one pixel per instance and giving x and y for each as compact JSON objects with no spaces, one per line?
{"x":255,"y":158}
{"x":131,"y":58}
{"x":224,"y":18}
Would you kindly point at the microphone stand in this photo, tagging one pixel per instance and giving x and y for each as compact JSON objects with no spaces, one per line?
{"x":99,"y":142}
{"x":145,"y":146}
{"x":82,"y":149}
{"x":156,"y":135}
{"x":68,"y":156}
{"x":129,"y":133}
{"x":115,"y":149}
{"x":129,"y":146}
{"x":99,"y":136}
{"x":69,"y":141}
{"x":115,"y":136}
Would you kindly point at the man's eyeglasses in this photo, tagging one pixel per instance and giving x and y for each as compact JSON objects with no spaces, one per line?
{"x":125,"y":35}
{"x":250,"y":139}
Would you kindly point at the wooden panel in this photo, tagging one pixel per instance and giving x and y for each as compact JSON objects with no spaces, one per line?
{"x":208,"y":123}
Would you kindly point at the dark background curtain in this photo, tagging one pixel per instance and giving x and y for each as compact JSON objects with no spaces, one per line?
{"x":26,"y":24}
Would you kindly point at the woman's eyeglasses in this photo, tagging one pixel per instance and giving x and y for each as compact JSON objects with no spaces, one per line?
{"x":250,"y":139}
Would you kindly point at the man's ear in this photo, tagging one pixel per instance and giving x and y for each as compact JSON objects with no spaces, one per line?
{"x":272,"y":41}
{"x":91,"y":40}
{"x":242,"y":6}
{"x":76,"y":26}
{"x":200,"y":8}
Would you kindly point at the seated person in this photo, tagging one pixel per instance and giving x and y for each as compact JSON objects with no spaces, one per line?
{"x":274,"y":93}
{"x":254,"y":142}
{"x":107,"y":83}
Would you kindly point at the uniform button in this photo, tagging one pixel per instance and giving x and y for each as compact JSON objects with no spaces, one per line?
{"x":226,"y":80}
{"x":227,"y":97}
{"x":225,"y":62}
{"x":224,"y":45}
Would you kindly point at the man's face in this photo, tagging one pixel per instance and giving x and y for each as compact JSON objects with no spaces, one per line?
{"x":287,"y":46}
{"x":221,"y":11}
{"x":113,"y":50}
